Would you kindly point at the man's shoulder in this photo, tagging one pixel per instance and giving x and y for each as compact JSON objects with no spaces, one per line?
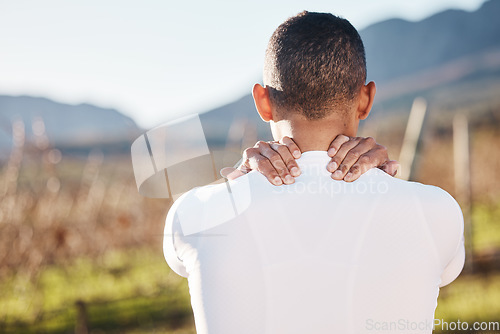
{"x":425,"y":194}
{"x":432,"y":194}
{"x":425,"y":191}
{"x":198,"y":196}
{"x":435,"y":203}
{"x":213,"y":194}
{"x":205,"y":207}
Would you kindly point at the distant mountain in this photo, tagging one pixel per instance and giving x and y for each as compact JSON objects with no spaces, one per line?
{"x":217,"y":123}
{"x":65,"y":125}
{"x":397,"y":48}
{"x":451,"y":54}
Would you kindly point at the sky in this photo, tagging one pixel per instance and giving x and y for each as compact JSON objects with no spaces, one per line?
{"x":156,"y":60}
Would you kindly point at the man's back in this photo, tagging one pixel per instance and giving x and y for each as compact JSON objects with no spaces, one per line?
{"x":317,"y":256}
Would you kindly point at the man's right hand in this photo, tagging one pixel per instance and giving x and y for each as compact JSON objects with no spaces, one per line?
{"x":351,"y":157}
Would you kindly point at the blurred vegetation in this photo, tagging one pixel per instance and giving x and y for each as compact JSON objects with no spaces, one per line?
{"x":78,"y":244}
{"x":121,"y":291}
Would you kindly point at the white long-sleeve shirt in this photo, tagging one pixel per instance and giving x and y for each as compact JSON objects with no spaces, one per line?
{"x":317,"y":256}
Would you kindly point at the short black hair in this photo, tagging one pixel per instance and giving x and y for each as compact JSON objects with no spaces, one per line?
{"x":315,"y":63}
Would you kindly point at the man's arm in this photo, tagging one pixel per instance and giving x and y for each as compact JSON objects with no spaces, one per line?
{"x":351,"y":157}
{"x":173,"y":230}
{"x":454,"y":268}
{"x":451,"y":217}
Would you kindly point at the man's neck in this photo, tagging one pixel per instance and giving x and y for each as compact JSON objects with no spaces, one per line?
{"x":313,"y":135}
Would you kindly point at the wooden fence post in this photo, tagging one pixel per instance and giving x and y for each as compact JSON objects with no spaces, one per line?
{"x":412,"y":135}
{"x":82,"y":320}
{"x":462,"y":180}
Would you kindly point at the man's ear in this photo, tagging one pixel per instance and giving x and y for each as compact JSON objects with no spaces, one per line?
{"x":367,"y":96}
{"x":262,"y":102}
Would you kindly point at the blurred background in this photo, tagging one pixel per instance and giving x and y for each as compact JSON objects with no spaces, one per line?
{"x":81,"y":250}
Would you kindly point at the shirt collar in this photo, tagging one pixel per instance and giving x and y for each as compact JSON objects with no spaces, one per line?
{"x":314,"y":162}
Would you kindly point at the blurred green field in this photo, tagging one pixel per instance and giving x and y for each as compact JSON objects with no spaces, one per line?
{"x":123,"y":291}
{"x":486,"y":227}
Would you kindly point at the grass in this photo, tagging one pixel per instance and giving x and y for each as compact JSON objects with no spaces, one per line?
{"x":470,"y":298}
{"x":122,"y":290}
{"x":486,"y":227}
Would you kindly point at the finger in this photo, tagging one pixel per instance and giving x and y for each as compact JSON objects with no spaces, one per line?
{"x":242,"y":165}
{"x":375,"y":157}
{"x":390,"y":167}
{"x":276,"y":160}
{"x":353,"y":150}
{"x":336,"y":144}
{"x":231,"y":173}
{"x":268,"y":162}
{"x":224,"y":172}
{"x":288,"y":159}
{"x":244,"y":169}
{"x":294,"y":149}
{"x":264,"y":166}
{"x":254,"y":160}
{"x":338,"y":158}
{"x":364,"y":163}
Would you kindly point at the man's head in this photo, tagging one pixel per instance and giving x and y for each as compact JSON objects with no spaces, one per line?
{"x":315,"y":69}
{"x":315,"y":64}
